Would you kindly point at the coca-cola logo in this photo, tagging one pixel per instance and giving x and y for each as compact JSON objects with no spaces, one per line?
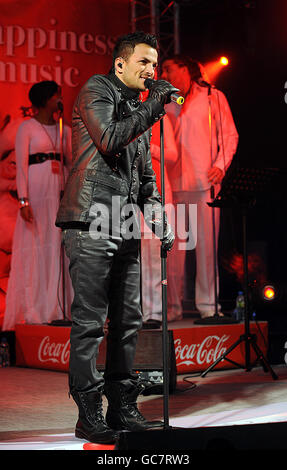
{"x":209,"y":350}
{"x":54,"y":352}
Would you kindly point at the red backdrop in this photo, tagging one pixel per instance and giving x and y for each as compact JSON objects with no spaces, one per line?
{"x":62,"y":40}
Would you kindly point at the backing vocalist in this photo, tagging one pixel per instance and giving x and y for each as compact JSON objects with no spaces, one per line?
{"x":207,"y":140}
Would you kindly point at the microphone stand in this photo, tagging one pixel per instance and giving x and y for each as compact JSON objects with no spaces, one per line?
{"x":64,"y":321}
{"x":216,"y":318}
{"x":212,"y":194}
{"x":163,"y":254}
{"x":239,"y":191}
{"x":61,"y":195}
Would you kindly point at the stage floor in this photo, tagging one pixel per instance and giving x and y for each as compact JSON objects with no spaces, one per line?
{"x":37,"y":414}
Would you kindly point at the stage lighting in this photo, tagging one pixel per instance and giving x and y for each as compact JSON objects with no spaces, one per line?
{"x":213,"y":68}
{"x":223,"y":61}
{"x":268,"y":299}
{"x":269,"y":293}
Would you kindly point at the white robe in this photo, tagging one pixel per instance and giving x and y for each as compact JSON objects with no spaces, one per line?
{"x":202,"y":143}
{"x":34,"y":294}
{"x":150,"y":247}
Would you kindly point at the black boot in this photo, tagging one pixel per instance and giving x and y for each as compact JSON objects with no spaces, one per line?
{"x":91,"y":424}
{"x":123,"y":413}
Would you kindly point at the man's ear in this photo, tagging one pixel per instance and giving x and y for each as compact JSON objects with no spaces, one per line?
{"x":119,"y":62}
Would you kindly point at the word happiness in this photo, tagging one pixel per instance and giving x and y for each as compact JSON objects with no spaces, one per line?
{"x":18,"y":42}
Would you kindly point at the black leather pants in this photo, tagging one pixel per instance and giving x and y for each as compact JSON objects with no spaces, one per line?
{"x":105,"y":275}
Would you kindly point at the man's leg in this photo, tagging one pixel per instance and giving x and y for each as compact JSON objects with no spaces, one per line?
{"x":185,"y":239}
{"x":205,"y":282}
{"x":122,"y":386}
{"x":90,"y":265}
{"x":151,"y":281}
{"x":125,"y":316}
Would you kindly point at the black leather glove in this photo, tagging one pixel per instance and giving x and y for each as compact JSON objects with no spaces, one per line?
{"x":157,"y":221}
{"x":161,"y":91}
{"x":168,"y":237}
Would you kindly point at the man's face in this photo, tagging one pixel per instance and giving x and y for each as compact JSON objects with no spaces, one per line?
{"x":141,"y":64}
{"x":177,"y":75}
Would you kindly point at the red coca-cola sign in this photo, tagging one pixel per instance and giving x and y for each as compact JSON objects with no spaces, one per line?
{"x":54,"y":352}
{"x":42,"y":346}
{"x":196,"y":348}
{"x":202,"y":353}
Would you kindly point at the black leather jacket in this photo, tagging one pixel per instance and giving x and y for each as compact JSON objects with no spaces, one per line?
{"x":111,"y":132}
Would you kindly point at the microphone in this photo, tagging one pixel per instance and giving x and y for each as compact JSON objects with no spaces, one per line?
{"x":60,"y":106}
{"x":148,"y":83}
{"x":203,"y":83}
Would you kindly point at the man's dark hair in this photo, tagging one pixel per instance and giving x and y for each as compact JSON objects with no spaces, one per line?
{"x":192,"y":65}
{"x":125,"y":45}
{"x":41,"y":92}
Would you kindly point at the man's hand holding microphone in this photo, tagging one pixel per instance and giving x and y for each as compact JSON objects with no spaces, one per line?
{"x":163,"y":91}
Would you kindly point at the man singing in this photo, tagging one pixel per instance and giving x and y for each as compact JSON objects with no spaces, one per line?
{"x":111,"y":161}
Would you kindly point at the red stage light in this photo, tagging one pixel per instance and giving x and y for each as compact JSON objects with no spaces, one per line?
{"x":213,"y":68}
{"x":269,"y":293}
{"x":224,"y":61}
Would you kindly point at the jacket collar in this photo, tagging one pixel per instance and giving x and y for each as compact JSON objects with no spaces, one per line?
{"x":127,"y":93}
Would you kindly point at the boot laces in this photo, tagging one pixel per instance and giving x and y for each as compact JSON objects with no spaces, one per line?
{"x":134,"y":411}
{"x":94,"y":413}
